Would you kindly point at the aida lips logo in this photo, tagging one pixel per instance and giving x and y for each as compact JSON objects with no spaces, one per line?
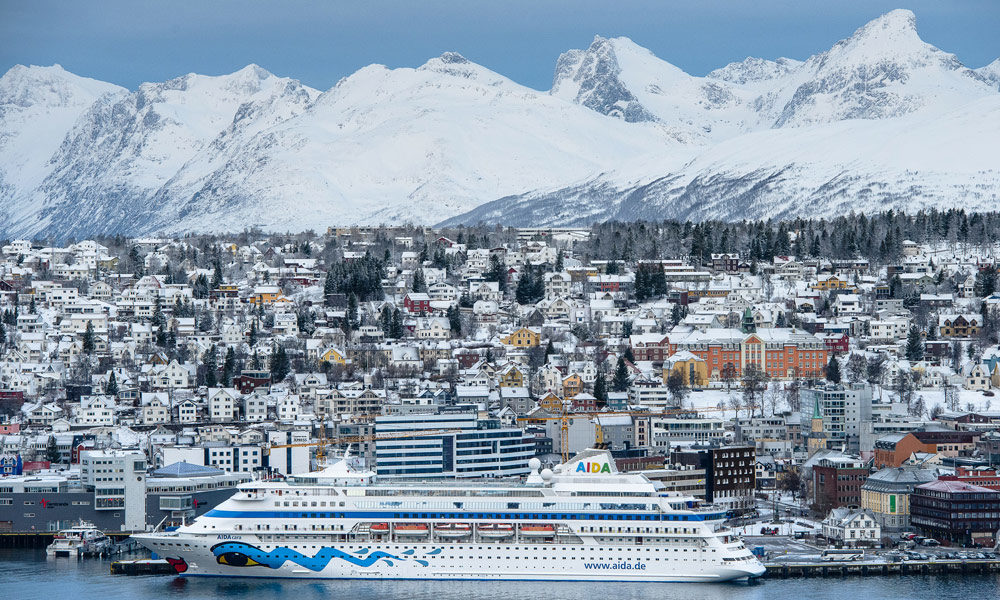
{"x":592,"y":467}
{"x":178,"y":564}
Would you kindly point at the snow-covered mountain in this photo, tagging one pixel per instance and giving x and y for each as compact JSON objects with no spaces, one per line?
{"x":126,"y":147}
{"x":881,"y":119}
{"x":389,"y":145}
{"x":38,"y":105}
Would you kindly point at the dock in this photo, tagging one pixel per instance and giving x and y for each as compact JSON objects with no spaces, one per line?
{"x":142,"y":566}
{"x":863,"y":568}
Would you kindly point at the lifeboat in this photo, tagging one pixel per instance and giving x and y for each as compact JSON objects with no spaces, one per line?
{"x":537,"y":530}
{"x":411,"y":529}
{"x":379,"y":528}
{"x":452,"y":530}
{"x":496,"y":530}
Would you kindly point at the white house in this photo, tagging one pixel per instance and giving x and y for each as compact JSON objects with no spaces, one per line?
{"x":852,"y":526}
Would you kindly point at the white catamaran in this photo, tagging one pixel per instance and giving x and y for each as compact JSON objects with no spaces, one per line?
{"x":580,"y":521}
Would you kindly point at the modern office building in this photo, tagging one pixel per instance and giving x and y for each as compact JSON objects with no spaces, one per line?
{"x":468,"y":445}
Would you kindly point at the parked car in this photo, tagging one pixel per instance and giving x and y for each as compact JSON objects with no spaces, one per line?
{"x":930,"y":542}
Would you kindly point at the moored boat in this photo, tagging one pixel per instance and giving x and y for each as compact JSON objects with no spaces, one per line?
{"x":82,"y":538}
{"x":579,"y":521}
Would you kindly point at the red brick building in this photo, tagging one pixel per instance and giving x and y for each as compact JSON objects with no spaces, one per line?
{"x":837,"y":482}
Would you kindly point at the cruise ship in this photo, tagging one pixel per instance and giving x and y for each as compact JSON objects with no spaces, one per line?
{"x":578,"y":521}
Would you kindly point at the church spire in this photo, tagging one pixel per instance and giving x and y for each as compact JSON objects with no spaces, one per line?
{"x":749,"y":325}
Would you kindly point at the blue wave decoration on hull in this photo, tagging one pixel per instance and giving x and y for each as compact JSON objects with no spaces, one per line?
{"x":241,"y":554}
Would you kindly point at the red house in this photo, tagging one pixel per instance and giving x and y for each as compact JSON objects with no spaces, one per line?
{"x":836,"y":342}
{"x":417,"y":303}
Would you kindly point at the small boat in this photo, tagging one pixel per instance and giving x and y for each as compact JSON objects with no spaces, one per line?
{"x":82,"y":538}
{"x":411,"y":529}
{"x":379,"y":528}
{"x":537,"y":530}
{"x":496,"y":530}
{"x":453,"y":530}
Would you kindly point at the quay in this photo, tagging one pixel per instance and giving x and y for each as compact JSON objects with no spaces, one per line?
{"x":41,"y":539}
{"x":855,"y":569}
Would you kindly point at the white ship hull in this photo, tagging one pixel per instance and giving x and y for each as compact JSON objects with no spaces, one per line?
{"x":448,"y":560}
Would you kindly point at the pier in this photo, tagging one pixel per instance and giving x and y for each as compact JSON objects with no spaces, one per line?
{"x":861,"y":568}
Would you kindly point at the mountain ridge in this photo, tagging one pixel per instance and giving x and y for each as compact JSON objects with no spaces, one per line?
{"x":620,"y":134}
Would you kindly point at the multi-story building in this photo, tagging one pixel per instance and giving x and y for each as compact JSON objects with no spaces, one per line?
{"x":837,"y":482}
{"x":959,"y":325}
{"x":779,"y":353}
{"x":956,"y":512}
{"x":118,"y":478}
{"x":892,"y":450}
{"x":843,"y":409}
{"x":468,"y":446}
{"x":730,"y":473}
{"x":887,"y":494}
{"x":668,"y":430}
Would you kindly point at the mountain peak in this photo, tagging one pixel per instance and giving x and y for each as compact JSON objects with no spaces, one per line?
{"x":456,"y":65}
{"x":900,"y":19}
{"x":254,"y":71}
{"x":893,"y":32}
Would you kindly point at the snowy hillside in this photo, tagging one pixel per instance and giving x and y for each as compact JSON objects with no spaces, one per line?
{"x":880,"y":119}
{"x":907,"y":163}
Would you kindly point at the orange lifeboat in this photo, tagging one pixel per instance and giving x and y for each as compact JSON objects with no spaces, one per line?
{"x":411,"y":529}
{"x":379,"y":528}
{"x":496,"y":530}
{"x":452,"y":530}
{"x":537,"y":530}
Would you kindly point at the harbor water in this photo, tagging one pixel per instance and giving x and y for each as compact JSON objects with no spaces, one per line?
{"x":28,"y":575}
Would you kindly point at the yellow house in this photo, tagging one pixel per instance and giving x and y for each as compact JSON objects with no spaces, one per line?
{"x":524,"y":337}
{"x":692,"y":369}
{"x":551,"y":403}
{"x":572,"y":385}
{"x":511,"y":376}
{"x":334,"y":357}
{"x":831,"y":283}
{"x":266,"y":295}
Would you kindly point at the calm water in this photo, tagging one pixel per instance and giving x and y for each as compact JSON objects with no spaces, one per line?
{"x":27,"y":575}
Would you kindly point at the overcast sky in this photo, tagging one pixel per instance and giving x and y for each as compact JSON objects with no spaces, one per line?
{"x":320,"y":41}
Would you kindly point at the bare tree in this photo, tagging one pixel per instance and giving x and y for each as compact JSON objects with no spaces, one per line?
{"x":754,"y":382}
{"x":728,"y":375}
{"x":857,"y":367}
{"x":792,"y":398}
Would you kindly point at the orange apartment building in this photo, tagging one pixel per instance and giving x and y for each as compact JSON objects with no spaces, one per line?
{"x":781,"y":353}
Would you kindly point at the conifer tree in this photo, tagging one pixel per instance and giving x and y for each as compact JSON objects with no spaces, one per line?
{"x":914,"y":345}
{"x":211,"y":367}
{"x":111,"y":388}
{"x":88,"y":339}
{"x":229,"y":367}
{"x":279,"y":365}
{"x":601,"y":388}
{"x":620,"y":381}
{"x":833,"y":370}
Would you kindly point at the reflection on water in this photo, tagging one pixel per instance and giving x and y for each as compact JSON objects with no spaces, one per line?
{"x":28,"y":575}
